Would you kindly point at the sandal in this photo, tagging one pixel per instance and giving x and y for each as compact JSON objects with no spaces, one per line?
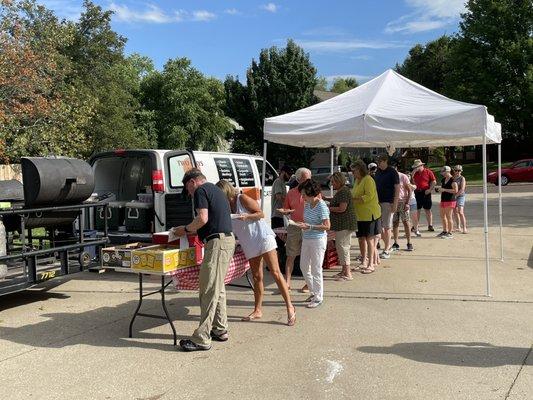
{"x":344,"y":278}
{"x":250,"y":318}
{"x":368,"y":270}
{"x":291,"y":319}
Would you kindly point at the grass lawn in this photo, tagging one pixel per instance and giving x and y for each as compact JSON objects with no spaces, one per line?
{"x":472,"y":172}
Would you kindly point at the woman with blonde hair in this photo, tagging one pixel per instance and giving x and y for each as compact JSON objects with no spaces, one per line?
{"x":258,"y":243}
{"x":368,"y":213}
{"x":343,"y":223}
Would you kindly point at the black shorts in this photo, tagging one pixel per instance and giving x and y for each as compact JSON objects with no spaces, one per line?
{"x":423,"y":200}
{"x":368,"y":228}
{"x":276,"y":222}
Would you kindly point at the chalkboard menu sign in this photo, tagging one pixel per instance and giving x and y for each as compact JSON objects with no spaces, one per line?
{"x":225,"y":171}
{"x":245,"y":173}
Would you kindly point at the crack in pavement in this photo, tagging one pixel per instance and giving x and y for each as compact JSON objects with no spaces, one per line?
{"x":519,"y":371}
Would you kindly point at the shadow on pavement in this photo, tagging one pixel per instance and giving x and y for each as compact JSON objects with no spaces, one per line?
{"x":468,"y":354}
{"x":108,"y":326}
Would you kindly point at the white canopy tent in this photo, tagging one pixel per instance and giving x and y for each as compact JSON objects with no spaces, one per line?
{"x":391,"y":111}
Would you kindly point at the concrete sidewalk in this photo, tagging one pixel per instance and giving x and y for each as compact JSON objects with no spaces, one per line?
{"x":420,"y":327}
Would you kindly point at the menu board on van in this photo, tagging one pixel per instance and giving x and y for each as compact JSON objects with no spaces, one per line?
{"x":225,"y":171}
{"x":245,"y":173}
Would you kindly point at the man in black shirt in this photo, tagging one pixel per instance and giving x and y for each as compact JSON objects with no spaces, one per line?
{"x":388,"y":188}
{"x":213,"y":225}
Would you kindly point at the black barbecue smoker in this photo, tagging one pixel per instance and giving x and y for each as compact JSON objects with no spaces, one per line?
{"x":42,"y":234}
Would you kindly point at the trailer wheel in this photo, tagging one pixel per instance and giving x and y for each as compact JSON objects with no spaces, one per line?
{"x":84,"y":259}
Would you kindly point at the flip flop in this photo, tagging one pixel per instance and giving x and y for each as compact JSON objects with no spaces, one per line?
{"x":368,"y":270}
{"x":249,"y":318}
{"x":291,"y":320}
{"x":344,"y":278}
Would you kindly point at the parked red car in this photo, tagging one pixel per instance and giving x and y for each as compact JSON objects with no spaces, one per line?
{"x":520,"y":171}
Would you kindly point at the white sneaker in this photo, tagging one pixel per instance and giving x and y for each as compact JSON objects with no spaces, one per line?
{"x":418,"y":234}
{"x":384,"y":255}
{"x":314,"y":304}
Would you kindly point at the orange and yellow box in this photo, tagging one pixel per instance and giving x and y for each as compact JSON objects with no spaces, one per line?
{"x":162,"y":259}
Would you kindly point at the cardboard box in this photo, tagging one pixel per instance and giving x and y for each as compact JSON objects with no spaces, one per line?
{"x":120,"y":256}
{"x":170,"y":239}
{"x":163,"y":258}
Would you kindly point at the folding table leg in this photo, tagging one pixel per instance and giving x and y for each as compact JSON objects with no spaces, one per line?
{"x":138,"y":305}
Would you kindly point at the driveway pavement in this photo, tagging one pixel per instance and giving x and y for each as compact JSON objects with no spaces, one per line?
{"x":420,"y":327}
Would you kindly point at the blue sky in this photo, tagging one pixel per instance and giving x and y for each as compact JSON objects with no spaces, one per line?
{"x":360,"y":38}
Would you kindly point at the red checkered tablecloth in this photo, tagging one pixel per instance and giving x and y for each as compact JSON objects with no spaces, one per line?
{"x":188,"y":278}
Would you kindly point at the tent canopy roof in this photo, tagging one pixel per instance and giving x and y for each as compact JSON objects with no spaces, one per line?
{"x":388,"y":111}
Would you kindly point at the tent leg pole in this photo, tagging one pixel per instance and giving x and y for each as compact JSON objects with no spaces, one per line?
{"x":500,"y":211}
{"x":486,"y":217}
{"x":331,"y":156}
{"x":263,"y":175}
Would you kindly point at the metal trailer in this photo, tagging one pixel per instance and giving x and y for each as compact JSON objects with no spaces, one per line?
{"x":28,"y":266}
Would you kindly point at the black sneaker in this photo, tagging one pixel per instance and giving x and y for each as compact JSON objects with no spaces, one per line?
{"x":430,"y":228}
{"x":189,"y":345}
{"x":395,"y":247}
{"x":442,"y":234}
{"x":409,"y":247}
{"x":448,"y":236}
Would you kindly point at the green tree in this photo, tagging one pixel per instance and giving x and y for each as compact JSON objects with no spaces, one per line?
{"x":321,"y":84}
{"x":341,"y":85}
{"x":187,"y":107}
{"x":493,"y":56}
{"x":429,"y":64}
{"x":280,"y":81}
{"x":101,"y":67}
{"x":41,"y":112}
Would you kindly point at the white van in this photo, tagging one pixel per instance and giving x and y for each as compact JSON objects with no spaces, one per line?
{"x":157,"y":174}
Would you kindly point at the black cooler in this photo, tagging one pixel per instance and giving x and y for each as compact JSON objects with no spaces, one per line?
{"x":139,"y":216}
{"x":115,"y":215}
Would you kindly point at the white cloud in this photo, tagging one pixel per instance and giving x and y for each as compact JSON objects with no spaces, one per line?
{"x":347,"y":45}
{"x":153,"y":14}
{"x":439,"y":8}
{"x":203,"y":15}
{"x":63,"y":8}
{"x":270,"y":7}
{"x":427,"y":15}
{"x":232,"y":11}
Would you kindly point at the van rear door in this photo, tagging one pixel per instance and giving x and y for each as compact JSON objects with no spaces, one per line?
{"x":271,"y":176}
{"x":178,"y":204}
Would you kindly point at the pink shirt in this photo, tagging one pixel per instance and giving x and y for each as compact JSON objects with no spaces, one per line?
{"x":295,"y":201}
{"x":404,"y":182}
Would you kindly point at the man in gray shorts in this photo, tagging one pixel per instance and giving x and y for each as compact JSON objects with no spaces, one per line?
{"x":388,"y":187}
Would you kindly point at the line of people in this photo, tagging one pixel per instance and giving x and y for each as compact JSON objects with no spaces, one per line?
{"x":373,"y":209}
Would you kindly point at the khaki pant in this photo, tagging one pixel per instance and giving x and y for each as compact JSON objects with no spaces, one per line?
{"x":342,"y":245}
{"x":217,"y":256}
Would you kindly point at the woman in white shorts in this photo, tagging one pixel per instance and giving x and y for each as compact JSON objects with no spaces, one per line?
{"x":258,"y":242}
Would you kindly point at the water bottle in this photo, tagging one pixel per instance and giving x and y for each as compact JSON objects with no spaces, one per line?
{"x":3,"y":249}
